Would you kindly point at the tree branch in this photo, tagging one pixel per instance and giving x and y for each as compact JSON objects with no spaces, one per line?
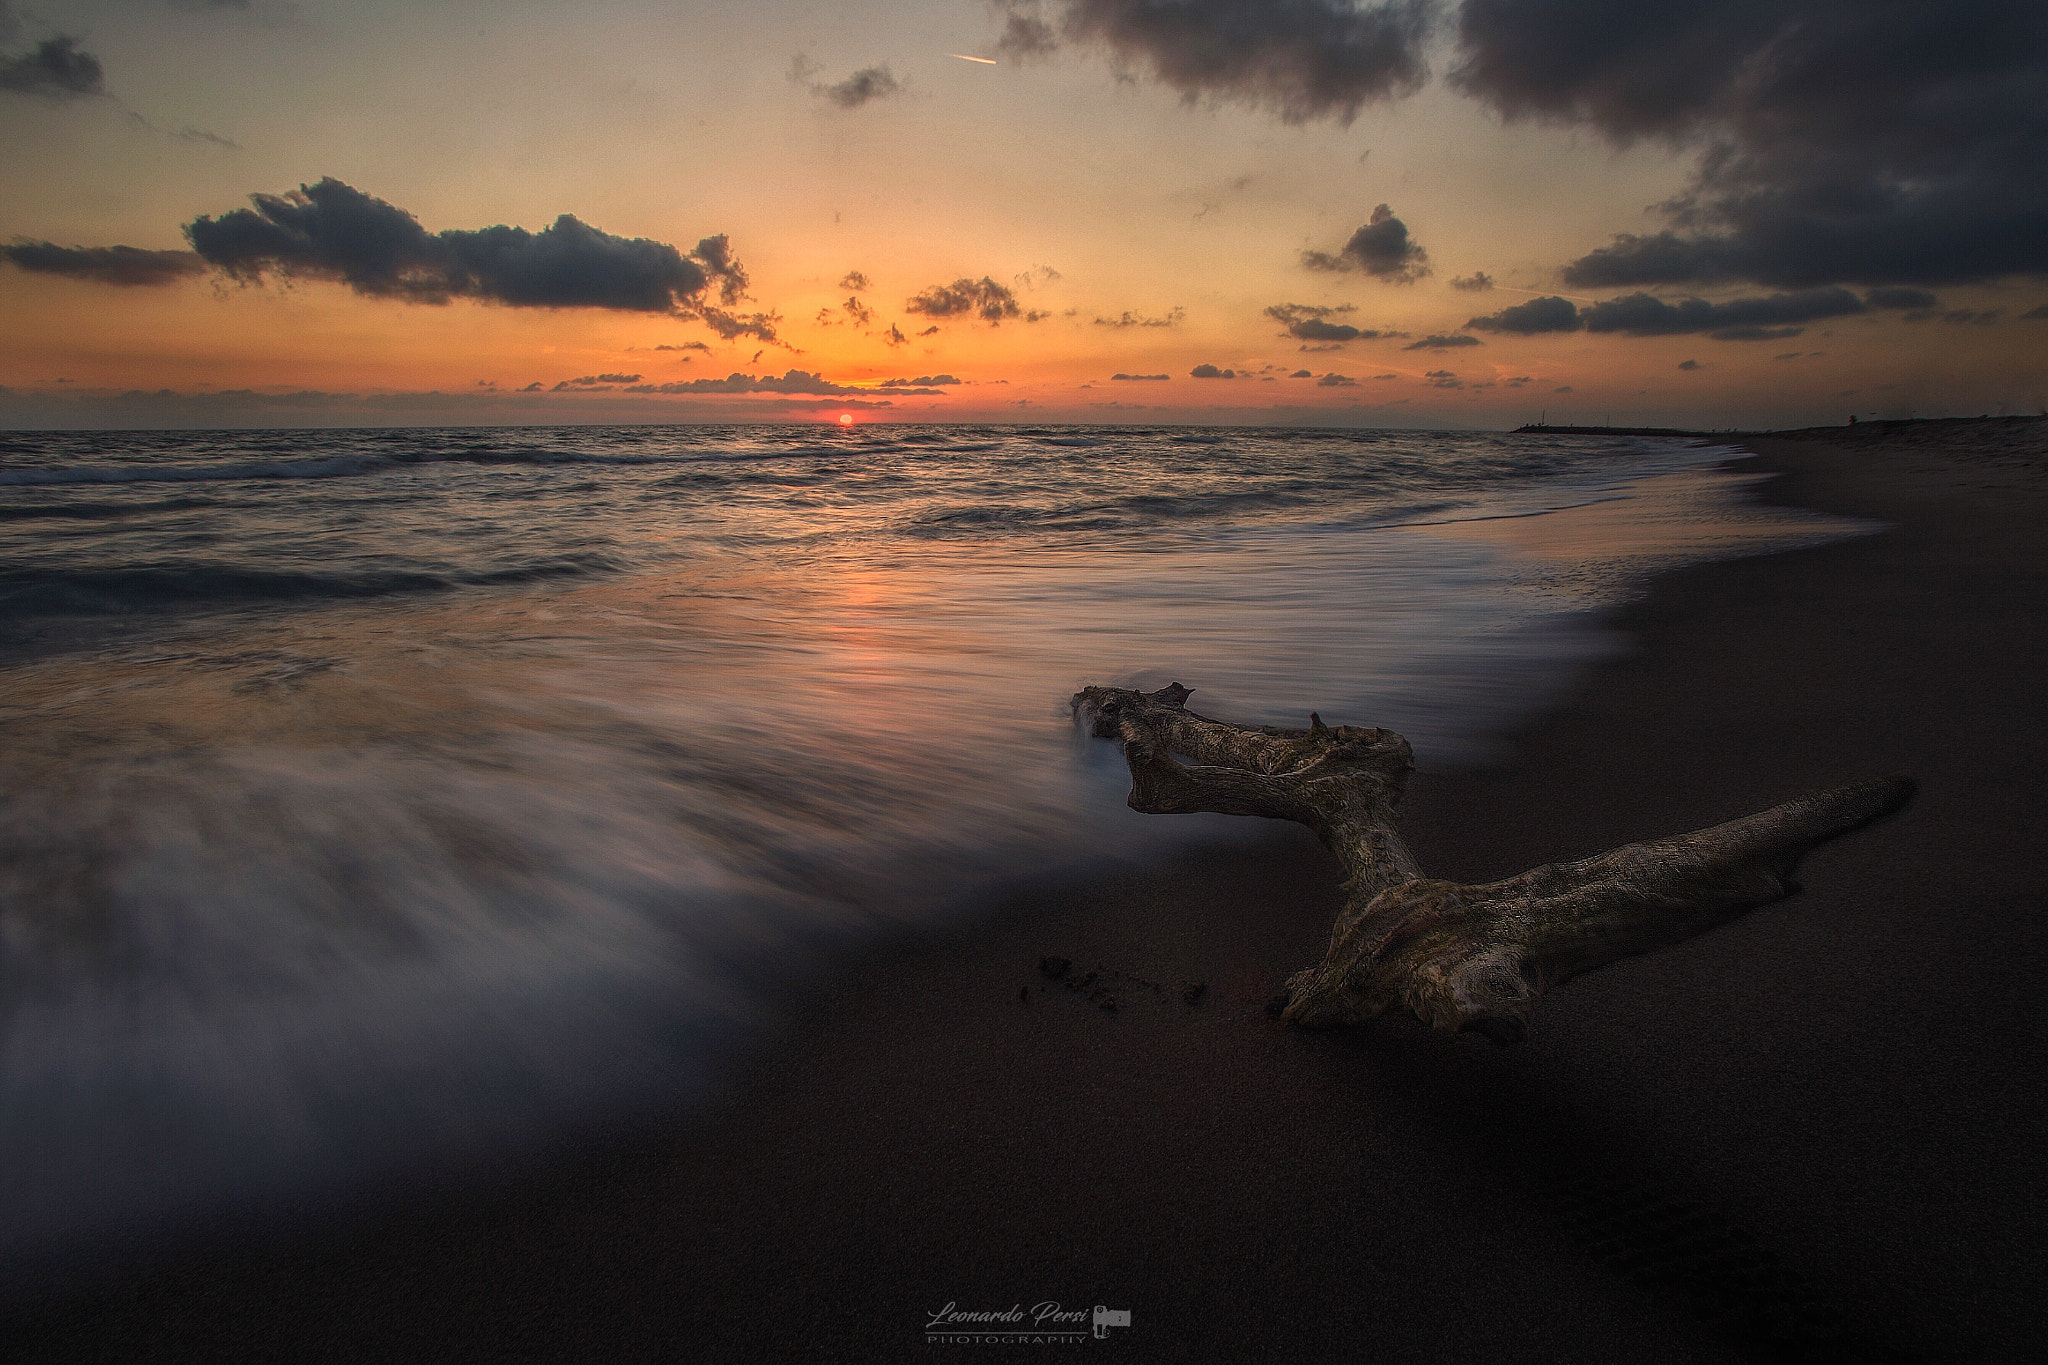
{"x":1461,"y":957}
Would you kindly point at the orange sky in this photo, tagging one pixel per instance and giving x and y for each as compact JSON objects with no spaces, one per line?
{"x":1140,"y":224}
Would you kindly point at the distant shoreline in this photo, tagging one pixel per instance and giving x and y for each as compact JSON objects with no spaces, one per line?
{"x":1875,"y":428}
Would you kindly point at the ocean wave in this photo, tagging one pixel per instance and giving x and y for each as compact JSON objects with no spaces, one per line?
{"x":102,"y":590}
{"x":331,"y":467}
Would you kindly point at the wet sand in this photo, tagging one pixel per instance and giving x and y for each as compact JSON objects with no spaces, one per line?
{"x":1818,"y":1133}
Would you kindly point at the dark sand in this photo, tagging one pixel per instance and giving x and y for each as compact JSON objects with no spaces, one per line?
{"x":1818,"y":1133}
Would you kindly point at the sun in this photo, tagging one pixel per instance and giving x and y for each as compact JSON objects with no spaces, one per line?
{"x":845,"y":419}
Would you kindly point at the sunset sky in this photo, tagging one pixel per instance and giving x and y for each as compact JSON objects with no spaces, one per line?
{"x":1417,"y":213}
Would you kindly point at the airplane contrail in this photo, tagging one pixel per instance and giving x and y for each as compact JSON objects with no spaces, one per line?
{"x":985,"y":61}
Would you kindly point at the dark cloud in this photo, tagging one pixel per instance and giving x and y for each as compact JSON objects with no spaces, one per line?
{"x":1026,"y":37}
{"x":1302,"y":374}
{"x":1547,"y":314}
{"x":1211,"y":372}
{"x":1301,"y":59}
{"x":982,"y":298}
{"x":894,"y":336}
{"x":1336,"y":381}
{"x":1382,"y":249}
{"x":862,"y":87}
{"x":1901,"y":298}
{"x":923,"y":381}
{"x":1688,"y":364}
{"x":1149,"y":378}
{"x":104,"y":264}
{"x":1751,"y":319}
{"x":686,"y":346}
{"x":596,"y":381}
{"x":1644,"y":315}
{"x":1478,"y":282}
{"x":2035,"y":314}
{"x":929,"y":331}
{"x":1309,"y":322}
{"x":1867,"y":141}
{"x":861,"y":314}
{"x":55,"y":69}
{"x":1172,"y":317}
{"x":731,"y":326}
{"x":855,"y":281}
{"x":1443,"y":379}
{"x":330,"y":230}
{"x":1443,"y":343}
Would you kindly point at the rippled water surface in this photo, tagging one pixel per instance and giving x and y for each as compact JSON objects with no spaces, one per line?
{"x":379,"y":797}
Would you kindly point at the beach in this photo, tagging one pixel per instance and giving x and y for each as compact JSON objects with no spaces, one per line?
{"x":1816,"y":1133}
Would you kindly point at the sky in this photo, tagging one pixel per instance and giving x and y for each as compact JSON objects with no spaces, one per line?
{"x":1395,"y":213}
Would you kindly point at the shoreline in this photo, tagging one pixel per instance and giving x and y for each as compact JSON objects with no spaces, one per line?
{"x":1815,"y":1130}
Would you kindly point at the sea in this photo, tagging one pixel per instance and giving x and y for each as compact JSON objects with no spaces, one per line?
{"x":379,"y":802}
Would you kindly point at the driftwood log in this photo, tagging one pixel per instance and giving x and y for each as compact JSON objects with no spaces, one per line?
{"x":1461,"y":957}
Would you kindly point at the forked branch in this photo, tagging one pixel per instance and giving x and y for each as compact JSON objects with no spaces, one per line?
{"x":1461,"y":957}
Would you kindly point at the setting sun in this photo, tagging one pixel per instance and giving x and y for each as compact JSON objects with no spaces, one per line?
{"x":845,"y":419}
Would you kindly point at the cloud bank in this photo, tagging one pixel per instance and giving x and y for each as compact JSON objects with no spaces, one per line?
{"x":1300,"y":59}
{"x":1878,"y":142}
{"x":1751,"y":319}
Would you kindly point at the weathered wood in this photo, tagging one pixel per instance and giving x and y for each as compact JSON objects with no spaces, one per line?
{"x":1461,"y":957}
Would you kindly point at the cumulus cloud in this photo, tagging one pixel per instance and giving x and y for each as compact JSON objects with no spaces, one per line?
{"x":1547,"y":314}
{"x":1146,"y":378}
{"x":855,"y":281}
{"x":1868,"y":141}
{"x":1478,"y":282}
{"x":1211,"y":372}
{"x":1300,"y":59}
{"x":126,"y":265}
{"x":1382,"y":249}
{"x":923,"y":381}
{"x":982,"y":298}
{"x":1334,"y":380}
{"x":1302,"y":374}
{"x":1688,"y":364}
{"x":686,"y":346}
{"x":334,"y":231}
{"x":55,"y":69}
{"x":1443,"y":342}
{"x":1172,"y":317}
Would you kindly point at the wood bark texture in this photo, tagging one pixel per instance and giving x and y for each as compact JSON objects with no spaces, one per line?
{"x":1461,"y":957}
